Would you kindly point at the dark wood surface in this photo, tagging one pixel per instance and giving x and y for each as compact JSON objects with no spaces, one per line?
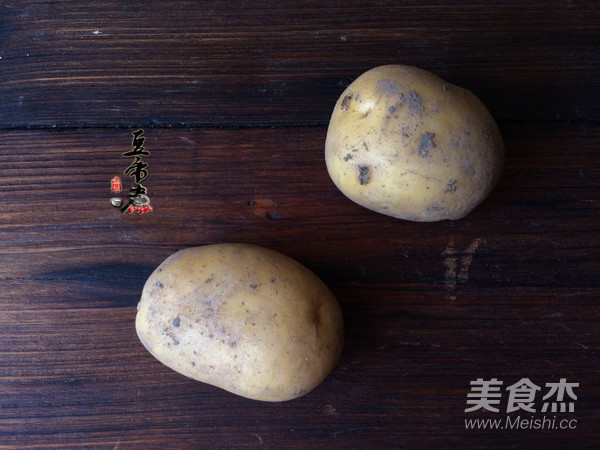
{"x":234,"y":99}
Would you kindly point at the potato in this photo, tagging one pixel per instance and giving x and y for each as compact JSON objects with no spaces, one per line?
{"x":405,"y":143}
{"x":243,"y":318}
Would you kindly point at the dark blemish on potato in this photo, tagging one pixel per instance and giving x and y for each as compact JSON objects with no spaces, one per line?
{"x":176,"y":322}
{"x":435,"y":208}
{"x":455,"y":142}
{"x":387,"y":86}
{"x":469,"y":170}
{"x":347,"y":157}
{"x":425,"y":144}
{"x":363,"y":175}
{"x":444,"y":88}
{"x":365,"y":146}
{"x":466,"y":133}
{"x":253,"y":286}
{"x":209,"y":279}
{"x":273,"y":280}
{"x":451,"y":187}
{"x":274,"y":215}
{"x":250,"y":203}
{"x":159,"y":284}
{"x":233,"y":344}
{"x":346,"y":102}
{"x":193,"y":363}
{"x":392,"y":109}
{"x":414,"y":102}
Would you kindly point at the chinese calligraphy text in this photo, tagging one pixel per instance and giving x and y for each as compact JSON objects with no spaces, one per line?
{"x":137,"y":199}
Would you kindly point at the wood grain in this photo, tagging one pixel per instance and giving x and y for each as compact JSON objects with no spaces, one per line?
{"x":235,"y":100}
{"x":173,"y":63}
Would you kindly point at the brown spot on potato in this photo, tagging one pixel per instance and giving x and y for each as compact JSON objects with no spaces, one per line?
{"x":345,"y":104}
{"x":451,"y":186}
{"x":176,"y":322}
{"x":363,"y":175}
{"x":175,"y":341}
{"x":425,"y":144}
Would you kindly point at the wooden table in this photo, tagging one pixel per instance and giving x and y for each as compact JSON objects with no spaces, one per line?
{"x":234,"y":99}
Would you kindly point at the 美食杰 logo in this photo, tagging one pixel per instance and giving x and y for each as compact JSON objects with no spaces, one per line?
{"x":547,"y":408}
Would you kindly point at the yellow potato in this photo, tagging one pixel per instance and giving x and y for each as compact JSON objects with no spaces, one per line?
{"x":405,"y":143}
{"x":243,"y":318}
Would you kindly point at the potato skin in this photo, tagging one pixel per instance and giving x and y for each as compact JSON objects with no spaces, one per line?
{"x":243,"y":318}
{"x":403,"y":142}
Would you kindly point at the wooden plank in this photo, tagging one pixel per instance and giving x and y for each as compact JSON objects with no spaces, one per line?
{"x":508,"y":292}
{"x":261,"y":63}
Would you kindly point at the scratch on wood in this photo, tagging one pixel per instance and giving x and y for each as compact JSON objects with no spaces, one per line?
{"x":457,"y":266}
{"x":330,"y":410}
